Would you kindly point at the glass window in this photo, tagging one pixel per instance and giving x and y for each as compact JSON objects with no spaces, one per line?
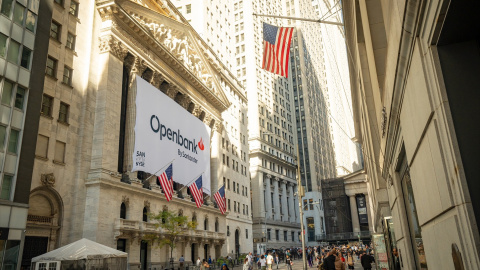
{"x":73,"y":8}
{"x":6,"y":7}
{"x":7,"y":93}
{"x":6,"y":187}
{"x":67,"y":75}
{"x":63,"y":113}
{"x":51,"y":67}
{"x":3,"y":45}
{"x":18,"y":13}
{"x":59,"y":152}
{"x":70,"y":41}
{"x":20,"y":97}
{"x":13,"y":51}
{"x":26,"y":55}
{"x":60,"y":2}
{"x":47,"y":104}
{"x":13,"y":141}
{"x":3,"y":133}
{"x":30,"y":21}
{"x":42,"y":146}
{"x":55,"y":30}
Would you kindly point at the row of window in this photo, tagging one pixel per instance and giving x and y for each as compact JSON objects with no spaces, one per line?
{"x":47,"y":109}
{"x":19,"y":14}
{"x":73,"y":6}
{"x":236,"y":187}
{"x":56,"y":34}
{"x":15,"y":52}
{"x":51,"y":70}
{"x":285,"y":235}
{"x":236,"y":207}
{"x":42,"y":149}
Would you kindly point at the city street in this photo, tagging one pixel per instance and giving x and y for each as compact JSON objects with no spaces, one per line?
{"x":297,"y":265}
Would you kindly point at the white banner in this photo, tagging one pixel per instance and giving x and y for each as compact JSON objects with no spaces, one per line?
{"x":166,"y":132}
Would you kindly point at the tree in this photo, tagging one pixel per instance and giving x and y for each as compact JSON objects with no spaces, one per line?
{"x":174,"y":225}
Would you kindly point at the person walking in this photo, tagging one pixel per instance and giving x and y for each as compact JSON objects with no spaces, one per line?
{"x":250,"y":261}
{"x":288,"y":262}
{"x":246,"y":264}
{"x":181,"y":261}
{"x":329,"y":262}
{"x":366,"y":260}
{"x":396,"y":260}
{"x":277,"y":260}
{"x":339,"y":265}
{"x":350,"y":261}
{"x":263,"y":262}
{"x":269,"y":261}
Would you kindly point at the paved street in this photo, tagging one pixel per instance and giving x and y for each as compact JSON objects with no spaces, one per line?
{"x":297,"y":265}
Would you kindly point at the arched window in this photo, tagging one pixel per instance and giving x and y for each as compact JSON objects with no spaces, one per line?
{"x":123,"y":211}
{"x":145,"y":214}
{"x":205,"y":224}
{"x":216,"y":225}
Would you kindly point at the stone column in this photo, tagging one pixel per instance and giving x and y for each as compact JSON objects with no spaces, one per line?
{"x":296,"y":217}
{"x":276,"y":201}
{"x":258,"y":199}
{"x":369,"y":214}
{"x":284,"y":200}
{"x":292,"y":203}
{"x":354,"y":213}
{"x":268,"y":197}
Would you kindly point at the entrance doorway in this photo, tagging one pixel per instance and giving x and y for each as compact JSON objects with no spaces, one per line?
{"x":143,"y":255}
{"x":34,"y":246}
{"x":193,"y":253}
{"x":237,"y":243}
{"x":205,"y":251}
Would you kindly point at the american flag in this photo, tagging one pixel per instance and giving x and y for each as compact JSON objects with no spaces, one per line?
{"x":220,"y":199}
{"x":276,"y":52}
{"x":197,"y":191}
{"x":166,"y":181}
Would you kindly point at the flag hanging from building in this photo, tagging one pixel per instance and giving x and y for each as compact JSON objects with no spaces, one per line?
{"x":165,"y":180}
{"x":276,"y":48}
{"x":197,"y":191}
{"x":220,"y":199}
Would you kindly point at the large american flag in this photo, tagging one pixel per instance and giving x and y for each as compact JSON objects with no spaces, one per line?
{"x":220,"y":199}
{"x":276,"y":52}
{"x":197,"y":191}
{"x":165,"y":180}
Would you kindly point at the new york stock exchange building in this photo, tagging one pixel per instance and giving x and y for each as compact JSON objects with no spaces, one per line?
{"x":91,"y":191}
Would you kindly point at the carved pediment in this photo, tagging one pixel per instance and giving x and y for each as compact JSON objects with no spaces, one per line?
{"x":181,"y":41}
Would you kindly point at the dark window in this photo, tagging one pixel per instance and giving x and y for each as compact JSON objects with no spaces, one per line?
{"x":20,"y":97}
{"x":55,"y":29}
{"x":293,"y":236}
{"x":47,"y":104}
{"x":123,"y":211}
{"x":228,"y":230}
{"x":246,"y":233}
{"x":122,"y":245}
{"x":67,"y":75}
{"x":6,"y":7}
{"x":51,"y":67}
{"x":71,"y":41}
{"x":145,"y":214}
{"x":60,"y":2}
{"x":26,"y":55}
{"x":63,"y":113}
{"x":205,"y":224}
{"x":216,"y":226}
{"x":277,"y":235}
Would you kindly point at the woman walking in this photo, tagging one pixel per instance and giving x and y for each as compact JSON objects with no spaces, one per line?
{"x":288,"y":262}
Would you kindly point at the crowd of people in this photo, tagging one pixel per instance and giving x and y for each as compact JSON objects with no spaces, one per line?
{"x":322,"y":258}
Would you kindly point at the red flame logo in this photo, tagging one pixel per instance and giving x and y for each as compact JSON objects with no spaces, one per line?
{"x":200,"y":144}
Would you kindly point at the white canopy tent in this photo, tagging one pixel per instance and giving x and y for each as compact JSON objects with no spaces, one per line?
{"x":80,"y":255}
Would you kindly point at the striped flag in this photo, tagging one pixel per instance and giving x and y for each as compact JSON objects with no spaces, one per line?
{"x":276,"y":51}
{"x":197,"y":191}
{"x":220,"y":199}
{"x":165,"y":180}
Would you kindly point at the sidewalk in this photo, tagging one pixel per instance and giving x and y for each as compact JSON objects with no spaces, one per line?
{"x":297,"y":265}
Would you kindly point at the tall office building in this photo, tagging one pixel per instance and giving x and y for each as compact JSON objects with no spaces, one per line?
{"x":215,"y":23}
{"x":24,"y":26}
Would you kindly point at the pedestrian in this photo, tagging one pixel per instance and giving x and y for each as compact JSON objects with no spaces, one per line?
{"x":288,"y":262}
{"x":246,"y":264}
{"x":250,"y":261}
{"x":225,"y":267}
{"x":366,"y":260}
{"x":199,"y":262}
{"x":209,"y":259}
{"x":277,"y":260}
{"x":182,"y":261}
{"x":269,"y":261}
{"x":396,"y":260}
{"x":263,"y":262}
{"x":339,"y":265}
{"x":350,"y":261}
{"x":329,"y":262}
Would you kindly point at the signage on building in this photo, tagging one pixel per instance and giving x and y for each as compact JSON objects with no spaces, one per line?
{"x":166,"y":133}
{"x":362,"y":210}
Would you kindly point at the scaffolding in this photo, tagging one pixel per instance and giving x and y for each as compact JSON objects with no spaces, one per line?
{"x":336,"y":206}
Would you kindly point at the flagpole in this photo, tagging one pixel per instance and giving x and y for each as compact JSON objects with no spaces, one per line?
{"x":148,"y":178}
{"x":298,"y":19}
{"x":195,"y":178}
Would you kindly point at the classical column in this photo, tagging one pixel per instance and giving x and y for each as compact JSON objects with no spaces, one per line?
{"x":369,"y":213}
{"x":258,"y":190}
{"x":268,"y":196}
{"x":354,"y":213}
{"x":292,"y":203}
{"x":276,"y":197}
{"x":284,"y":200}
{"x":296,"y":217}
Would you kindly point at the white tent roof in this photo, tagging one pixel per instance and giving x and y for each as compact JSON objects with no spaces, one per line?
{"x":81,"y":249}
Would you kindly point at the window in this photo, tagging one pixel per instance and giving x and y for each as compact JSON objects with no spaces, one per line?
{"x":73,"y":8}
{"x":26,"y":55}
{"x":7,"y":93}
{"x":205,"y":224}
{"x":42,"y":146}
{"x":55,"y":29}
{"x":70,"y":41}
{"x":60,"y":2}
{"x":13,"y":141}
{"x":13,"y":51}
{"x":246,"y":233}
{"x":234,"y":186}
{"x":269,"y":235}
{"x":47,"y":104}
{"x":145,"y":214}
{"x":67,"y":75}
{"x":123,"y":211}
{"x":285,"y":236}
{"x":51,"y":67}
{"x":59,"y":152}
{"x":3,"y":45}
{"x":229,"y":205}
{"x":6,"y":187}
{"x":122,"y":245}
{"x":6,"y":7}
{"x":20,"y":97}
{"x":228,"y":230}
{"x":30,"y":21}
{"x":293,"y":236}
{"x":3,"y":134}
{"x":188,"y":8}
{"x":18,"y":13}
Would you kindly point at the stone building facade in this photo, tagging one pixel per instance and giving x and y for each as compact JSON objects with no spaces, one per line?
{"x":82,"y":185}
{"x":414,"y":69}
